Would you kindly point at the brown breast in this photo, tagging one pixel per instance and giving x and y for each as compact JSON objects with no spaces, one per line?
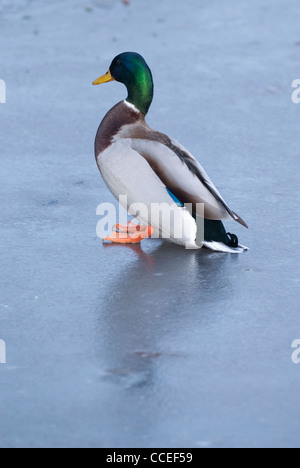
{"x":116,"y":118}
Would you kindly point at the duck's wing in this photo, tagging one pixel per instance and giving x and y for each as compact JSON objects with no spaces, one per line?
{"x":141,"y":192}
{"x":181,"y":173}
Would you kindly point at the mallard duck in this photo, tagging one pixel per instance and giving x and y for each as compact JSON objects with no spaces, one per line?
{"x":152,"y":169}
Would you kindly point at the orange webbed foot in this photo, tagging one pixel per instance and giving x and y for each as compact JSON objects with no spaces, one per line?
{"x":129,"y":234}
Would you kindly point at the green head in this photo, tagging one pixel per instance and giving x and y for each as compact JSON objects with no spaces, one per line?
{"x":131,"y":69}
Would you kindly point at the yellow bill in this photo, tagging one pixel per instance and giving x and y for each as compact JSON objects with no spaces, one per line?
{"x":104,"y":79}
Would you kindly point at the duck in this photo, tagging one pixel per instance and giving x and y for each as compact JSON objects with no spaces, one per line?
{"x":156,"y":179}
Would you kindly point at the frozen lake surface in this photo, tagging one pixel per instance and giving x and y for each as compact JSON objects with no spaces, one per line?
{"x":153,"y":346}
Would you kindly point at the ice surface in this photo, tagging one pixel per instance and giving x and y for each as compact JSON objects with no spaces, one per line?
{"x":115,"y":346}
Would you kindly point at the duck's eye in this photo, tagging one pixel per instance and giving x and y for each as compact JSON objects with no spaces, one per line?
{"x":118,"y":63}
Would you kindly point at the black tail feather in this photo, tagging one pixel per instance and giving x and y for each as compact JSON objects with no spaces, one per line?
{"x":215,"y":231}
